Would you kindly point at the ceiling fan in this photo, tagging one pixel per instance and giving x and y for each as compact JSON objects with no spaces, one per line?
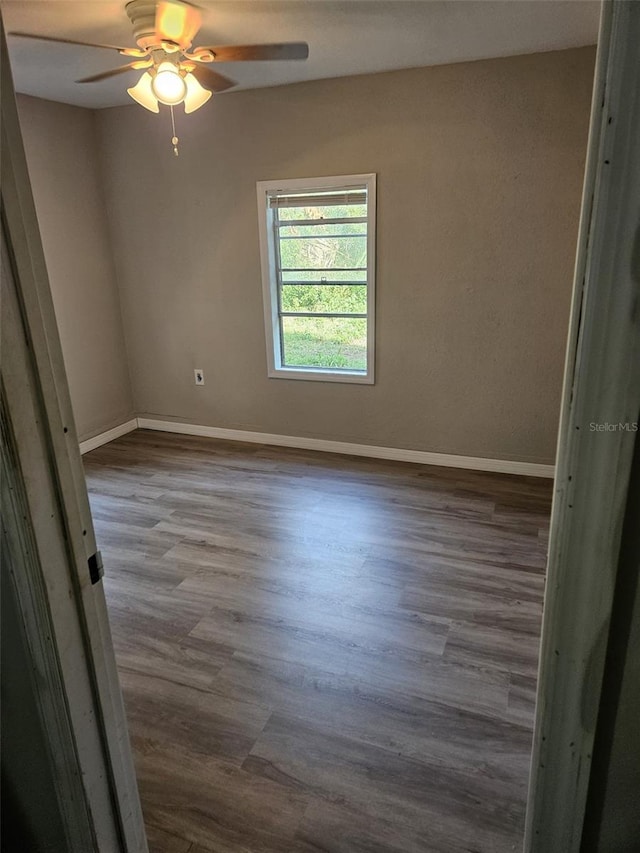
{"x":174,"y":72}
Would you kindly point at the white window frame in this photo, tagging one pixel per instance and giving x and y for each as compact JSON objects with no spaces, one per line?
{"x":275,"y":368}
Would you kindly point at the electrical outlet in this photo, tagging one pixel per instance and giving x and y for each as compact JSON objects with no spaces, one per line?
{"x":199,"y":376}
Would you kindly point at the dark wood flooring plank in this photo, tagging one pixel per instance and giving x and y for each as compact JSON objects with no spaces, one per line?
{"x":215,"y":804}
{"x":372,"y":712}
{"x":191,"y":718}
{"x":163,"y":842}
{"x":484,"y":646}
{"x":442,"y":803}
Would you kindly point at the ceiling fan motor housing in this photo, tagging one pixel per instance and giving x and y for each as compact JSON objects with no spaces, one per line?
{"x":142,"y":14}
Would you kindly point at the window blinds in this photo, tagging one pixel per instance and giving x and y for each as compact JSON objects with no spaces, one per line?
{"x":319,"y":199}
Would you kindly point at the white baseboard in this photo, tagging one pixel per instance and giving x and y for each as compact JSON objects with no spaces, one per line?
{"x":422,"y":457}
{"x":109,"y":435}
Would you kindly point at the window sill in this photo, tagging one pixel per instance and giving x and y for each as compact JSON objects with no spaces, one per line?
{"x":320,"y":375}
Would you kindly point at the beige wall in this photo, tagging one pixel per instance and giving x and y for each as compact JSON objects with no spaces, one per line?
{"x":479,"y":178}
{"x":479,"y":175}
{"x":61,"y":148}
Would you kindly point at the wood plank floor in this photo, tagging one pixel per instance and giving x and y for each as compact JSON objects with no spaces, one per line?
{"x":321,"y":653}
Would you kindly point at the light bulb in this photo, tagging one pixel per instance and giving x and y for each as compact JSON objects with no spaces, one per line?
{"x":143,"y":93}
{"x":196,"y":95}
{"x":168,"y":86}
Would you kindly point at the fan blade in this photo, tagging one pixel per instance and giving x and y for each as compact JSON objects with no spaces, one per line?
{"x":211,"y":79}
{"x":258,"y":52}
{"x":177,"y":21}
{"x":131,"y":50}
{"x":132,"y":66}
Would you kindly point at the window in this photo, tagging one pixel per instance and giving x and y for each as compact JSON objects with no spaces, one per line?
{"x":317,"y":241}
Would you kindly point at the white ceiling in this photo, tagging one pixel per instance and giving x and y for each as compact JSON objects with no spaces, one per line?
{"x":345,"y":37}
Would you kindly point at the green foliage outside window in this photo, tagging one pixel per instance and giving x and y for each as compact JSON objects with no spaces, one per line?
{"x":324,"y":254}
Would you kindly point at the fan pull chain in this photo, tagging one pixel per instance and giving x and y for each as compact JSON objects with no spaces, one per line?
{"x":174,"y":138}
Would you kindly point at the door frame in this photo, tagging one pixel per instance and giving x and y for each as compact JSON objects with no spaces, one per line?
{"x":601,"y":386}
{"x":59,"y":517}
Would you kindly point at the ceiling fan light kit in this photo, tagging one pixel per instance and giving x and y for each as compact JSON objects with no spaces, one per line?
{"x":168,"y":85}
{"x":148,"y":91}
{"x":196,"y":95}
{"x":142,"y":92}
{"x":174,"y":74}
